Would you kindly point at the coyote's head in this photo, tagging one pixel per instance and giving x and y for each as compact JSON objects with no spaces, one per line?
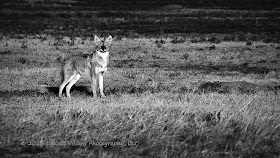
{"x":102,"y":46}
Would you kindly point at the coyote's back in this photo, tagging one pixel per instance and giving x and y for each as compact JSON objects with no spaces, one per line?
{"x":91,"y":66}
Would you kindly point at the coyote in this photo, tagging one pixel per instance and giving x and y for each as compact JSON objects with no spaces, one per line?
{"x":88,"y":66}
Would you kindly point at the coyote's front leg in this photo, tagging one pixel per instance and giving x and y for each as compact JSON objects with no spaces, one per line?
{"x":93,"y":86}
{"x":100,"y":83}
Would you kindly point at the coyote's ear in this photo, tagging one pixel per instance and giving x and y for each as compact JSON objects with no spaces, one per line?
{"x":108,"y":41}
{"x":97,"y":40}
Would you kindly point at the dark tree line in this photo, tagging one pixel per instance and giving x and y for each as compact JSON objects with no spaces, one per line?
{"x":146,"y":4}
{"x":149,"y":4}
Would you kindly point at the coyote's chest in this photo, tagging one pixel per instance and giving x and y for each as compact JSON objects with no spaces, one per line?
{"x":100,"y":62}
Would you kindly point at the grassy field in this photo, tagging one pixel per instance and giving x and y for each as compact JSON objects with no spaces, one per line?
{"x":195,"y":91}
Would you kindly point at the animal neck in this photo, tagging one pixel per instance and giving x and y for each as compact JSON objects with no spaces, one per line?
{"x":101,"y":59}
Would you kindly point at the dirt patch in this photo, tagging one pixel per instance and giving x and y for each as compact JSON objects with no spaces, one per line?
{"x":235,"y":87}
{"x":8,"y":94}
{"x":6,"y":53}
{"x":130,"y":63}
{"x":242,"y":68}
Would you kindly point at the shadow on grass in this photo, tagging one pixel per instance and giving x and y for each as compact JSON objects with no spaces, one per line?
{"x":239,"y":87}
{"x":43,"y":90}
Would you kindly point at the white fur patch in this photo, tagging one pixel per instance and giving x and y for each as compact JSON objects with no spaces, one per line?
{"x":104,"y":57}
{"x":100,"y":69}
